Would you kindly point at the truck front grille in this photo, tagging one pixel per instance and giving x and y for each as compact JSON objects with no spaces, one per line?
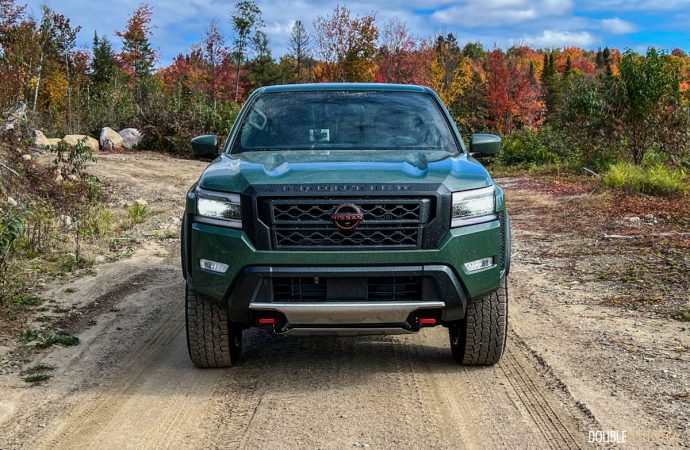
{"x":386,"y":223}
{"x":375,"y":289}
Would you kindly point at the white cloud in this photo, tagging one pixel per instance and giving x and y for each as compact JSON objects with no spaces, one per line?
{"x":477,"y":13}
{"x":551,"y":39}
{"x":618,"y":26}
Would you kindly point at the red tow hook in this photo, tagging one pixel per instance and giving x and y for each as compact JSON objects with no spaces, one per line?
{"x":426,"y":321}
{"x":267,"y":321}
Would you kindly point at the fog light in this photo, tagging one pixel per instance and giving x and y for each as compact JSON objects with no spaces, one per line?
{"x":213,"y":266}
{"x":479,"y":265}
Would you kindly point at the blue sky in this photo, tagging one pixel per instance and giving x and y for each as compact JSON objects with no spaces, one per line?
{"x":634,"y":24}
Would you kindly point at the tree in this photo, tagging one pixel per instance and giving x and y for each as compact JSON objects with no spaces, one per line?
{"x":104,"y":63}
{"x":397,"y":49}
{"x":648,"y":87}
{"x":246,"y":20}
{"x":137,"y":55}
{"x":46,"y":38}
{"x":513,"y":95}
{"x":347,"y":45}
{"x":65,"y":41}
{"x":10,"y":14}
{"x":449,"y":70}
{"x":298,"y":48}
{"x":474,"y":50}
{"x":214,"y":53}
{"x":606,"y":59}
{"x":550,"y":85}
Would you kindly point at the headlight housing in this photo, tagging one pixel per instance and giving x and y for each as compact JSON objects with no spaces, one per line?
{"x":219,"y":208}
{"x":472,"y":207}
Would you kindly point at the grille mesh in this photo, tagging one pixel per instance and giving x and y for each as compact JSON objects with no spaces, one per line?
{"x":387,"y":223}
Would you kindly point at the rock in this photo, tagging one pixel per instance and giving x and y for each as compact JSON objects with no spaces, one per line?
{"x":110,"y":139}
{"x":54,"y":142}
{"x":73,"y":139}
{"x":131,"y":137}
{"x":40,"y":139}
{"x":13,"y":116}
{"x":26,"y":157}
{"x":635,"y":220}
{"x":99,"y":259}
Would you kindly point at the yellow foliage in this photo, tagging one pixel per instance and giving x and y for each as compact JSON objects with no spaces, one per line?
{"x":56,"y":90}
{"x":450,"y":75}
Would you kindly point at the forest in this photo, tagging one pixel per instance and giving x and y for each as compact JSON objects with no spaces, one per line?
{"x":564,"y":106}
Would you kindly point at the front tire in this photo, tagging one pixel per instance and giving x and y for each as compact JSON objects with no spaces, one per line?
{"x":212,"y":340}
{"x":480,"y":338}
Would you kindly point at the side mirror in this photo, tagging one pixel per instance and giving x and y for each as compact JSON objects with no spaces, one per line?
{"x":483,"y":145}
{"x":205,"y":146}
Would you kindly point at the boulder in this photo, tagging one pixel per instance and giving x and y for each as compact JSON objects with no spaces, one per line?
{"x":54,"y":142}
{"x":110,"y":139}
{"x":40,"y":139}
{"x":131,"y":137}
{"x":72,"y":139}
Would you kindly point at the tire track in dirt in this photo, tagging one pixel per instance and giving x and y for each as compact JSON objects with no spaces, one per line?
{"x":87,"y":420}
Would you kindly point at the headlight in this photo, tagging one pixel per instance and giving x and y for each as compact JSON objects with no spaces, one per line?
{"x":475,"y":206}
{"x":220,"y":208}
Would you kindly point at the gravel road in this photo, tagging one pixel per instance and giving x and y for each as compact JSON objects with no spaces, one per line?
{"x":130,"y":384}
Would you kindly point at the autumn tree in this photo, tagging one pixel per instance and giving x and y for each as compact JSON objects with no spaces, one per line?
{"x":246,"y":21}
{"x":513,"y":94}
{"x":396,"y":53}
{"x":449,"y":69}
{"x":347,"y":45}
{"x":298,"y":48}
{"x":137,"y":56}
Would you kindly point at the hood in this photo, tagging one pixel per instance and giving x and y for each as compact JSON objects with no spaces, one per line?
{"x":235,"y":173}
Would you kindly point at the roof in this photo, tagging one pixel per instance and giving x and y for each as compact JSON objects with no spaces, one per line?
{"x":344,"y":87}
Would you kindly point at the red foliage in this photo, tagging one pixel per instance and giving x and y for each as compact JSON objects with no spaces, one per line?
{"x":514,"y":97}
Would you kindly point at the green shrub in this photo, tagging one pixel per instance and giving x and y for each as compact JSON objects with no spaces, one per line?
{"x":527,"y":147}
{"x":97,"y":223}
{"x":137,"y":211}
{"x":12,"y":222}
{"x":657,"y":179}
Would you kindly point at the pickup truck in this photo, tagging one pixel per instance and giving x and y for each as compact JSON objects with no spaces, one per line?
{"x":350,"y":209}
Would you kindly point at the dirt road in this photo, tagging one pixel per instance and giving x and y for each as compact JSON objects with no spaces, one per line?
{"x":130,"y":383}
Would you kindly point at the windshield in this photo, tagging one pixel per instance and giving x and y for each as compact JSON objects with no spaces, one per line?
{"x":344,"y":120}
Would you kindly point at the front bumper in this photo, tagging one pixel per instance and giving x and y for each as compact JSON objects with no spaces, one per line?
{"x":241,"y":284}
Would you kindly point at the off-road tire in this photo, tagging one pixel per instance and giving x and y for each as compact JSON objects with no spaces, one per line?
{"x":212,"y":340}
{"x":480,"y":338}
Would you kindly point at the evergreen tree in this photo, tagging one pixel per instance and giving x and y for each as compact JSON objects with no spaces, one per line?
{"x":263,"y":70}
{"x":606,"y":55}
{"x":474,"y":50}
{"x":103,"y":64}
{"x":551,"y":86}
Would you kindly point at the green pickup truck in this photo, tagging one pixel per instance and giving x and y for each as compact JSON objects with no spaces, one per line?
{"x":345,"y":209}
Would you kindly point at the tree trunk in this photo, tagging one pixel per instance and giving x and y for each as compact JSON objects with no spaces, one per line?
{"x":38,"y":82}
{"x":240,"y":51}
{"x":69,"y":96}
